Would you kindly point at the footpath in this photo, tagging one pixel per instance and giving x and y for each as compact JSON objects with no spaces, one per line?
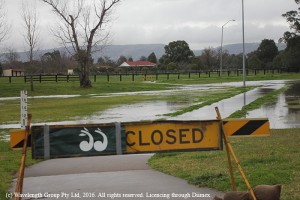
{"x":106,"y":177}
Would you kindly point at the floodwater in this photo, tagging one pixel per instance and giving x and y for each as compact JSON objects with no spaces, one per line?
{"x":285,"y":112}
{"x":39,"y":97}
{"x":229,"y":106}
{"x":279,"y":114}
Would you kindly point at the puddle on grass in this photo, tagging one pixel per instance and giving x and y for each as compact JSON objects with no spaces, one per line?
{"x":155,"y":109}
{"x":228,"y":106}
{"x":40,"y":97}
{"x":285,"y":112}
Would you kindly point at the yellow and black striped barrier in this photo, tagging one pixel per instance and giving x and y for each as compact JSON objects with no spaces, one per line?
{"x":247,"y":127}
{"x":232,"y":127}
{"x":17,"y":139}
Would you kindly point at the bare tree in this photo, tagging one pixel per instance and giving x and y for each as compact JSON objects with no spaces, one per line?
{"x":30,"y":19}
{"x":82,"y":26}
{"x":11,"y":57}
{"x":4,"y":27}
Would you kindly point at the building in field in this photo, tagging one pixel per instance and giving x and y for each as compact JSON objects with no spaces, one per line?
{"x":13,"y":72}
{"x":138,"y":64}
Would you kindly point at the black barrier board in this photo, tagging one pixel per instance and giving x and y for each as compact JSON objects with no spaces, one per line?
{"x":79,"y":140}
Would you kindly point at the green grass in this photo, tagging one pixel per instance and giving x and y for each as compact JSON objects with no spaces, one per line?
{"x":268,"y":160}
{"x":265,"y":160}
{"x":71,"y":88}
{"x":101,"y":85}
{"x":52,"y":109}
{"x":10,"y":162}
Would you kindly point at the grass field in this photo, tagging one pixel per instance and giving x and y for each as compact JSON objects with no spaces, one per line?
{"x":101,"y":86}
{"x":265,"y":160}
{"x":10,"y":162}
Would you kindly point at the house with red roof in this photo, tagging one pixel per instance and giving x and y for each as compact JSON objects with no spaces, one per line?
{"x":138,"y":64}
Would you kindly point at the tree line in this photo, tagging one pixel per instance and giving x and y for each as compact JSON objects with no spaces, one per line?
{"x":93,"y":20}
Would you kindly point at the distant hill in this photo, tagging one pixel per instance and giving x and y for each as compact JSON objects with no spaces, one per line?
{"x":238,"y":48}
{"x":137,"y":50}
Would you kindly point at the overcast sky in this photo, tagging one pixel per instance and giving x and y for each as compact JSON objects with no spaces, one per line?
{"x":198,"y":22}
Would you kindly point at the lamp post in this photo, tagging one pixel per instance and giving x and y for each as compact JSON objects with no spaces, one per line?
{"x":244,"y":58}
{"x":221,"y":56}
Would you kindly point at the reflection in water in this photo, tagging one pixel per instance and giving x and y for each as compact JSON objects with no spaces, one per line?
{"x":282,"y":114}
{"x":228,"y":106}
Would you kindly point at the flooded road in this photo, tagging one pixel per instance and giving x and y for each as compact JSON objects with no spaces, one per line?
{"x":285,"y":112}
{"x":229,"y":106}
{"x":281,"y":114}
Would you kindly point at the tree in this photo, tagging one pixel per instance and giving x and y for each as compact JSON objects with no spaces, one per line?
{"x":280,"y":60}
{"x":267,"y":51}
{"x":106,"y":61}
{"x":30,"y":20}
{"x":292,"y":38}
{"x":209,"y":58}
{"x":121,"y":60}
{"x":82,"y":26}
{"x":178,"y":52}
{"x":130,"y":59}
{"x":143,"y":58}
{"x":292,"y":53}
{"x":54,"y":62}
{"x":1,"y":70}
{"x":11,"y":57}
{"x":4,"y":27}
{"x":254,"y":61}
{"x":152,"y":58}
{"x":29,"y":16}
{"x":293,"y":18}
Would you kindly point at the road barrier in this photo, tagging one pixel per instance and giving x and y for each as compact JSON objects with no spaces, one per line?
{"x":125,"y":138}
{"x":140,"y":133}
{"x":247,"y":127}
{"x":137,"y":137}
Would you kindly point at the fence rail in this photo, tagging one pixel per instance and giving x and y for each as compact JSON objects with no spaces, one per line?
{"x":145,"y":75}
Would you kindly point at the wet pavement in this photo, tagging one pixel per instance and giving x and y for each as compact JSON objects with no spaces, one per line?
{"x":102,"y":176}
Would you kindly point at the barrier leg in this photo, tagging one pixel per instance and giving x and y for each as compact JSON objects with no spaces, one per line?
{"x":234,"y":156}
{"x":227,"y":154}
{"x":19,"y":186}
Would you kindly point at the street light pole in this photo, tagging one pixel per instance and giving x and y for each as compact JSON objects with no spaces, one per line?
{"x":244,"y":56}
{"x":221,"y":56}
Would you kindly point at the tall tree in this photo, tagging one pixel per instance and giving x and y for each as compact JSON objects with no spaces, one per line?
{"x":30,"y":19}
{"x":178,"y":52}
{"x":143,"y":58}
{"x":82,"y":26}
{"x":1,"y":69}
{"x":292,"y":38}
{"x":152,"y":58}
{"x":4,"y":27}
{"x":11,"y":57}
{"x":209,"y":58}
{"x":267,"y":51}
{"x":253,"y":61}
{"x":293,"y":18}
{"x":54,"y":62}
{"x":121,"y":60}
